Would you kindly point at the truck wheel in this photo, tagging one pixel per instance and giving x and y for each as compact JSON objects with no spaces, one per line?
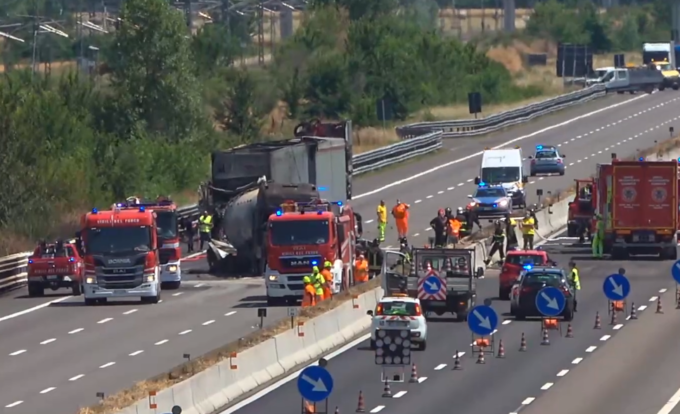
{"x":75,"y":289}
{"x":672,"y":253}
{"x":90,"y":302}
{"x":569,"y":314}
{"x":461,"y":316}
{"x":35,"y":290}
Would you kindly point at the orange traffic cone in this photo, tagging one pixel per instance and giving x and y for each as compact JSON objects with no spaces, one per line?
{"x":633,"y":311}
{"x":501,"y":350}
{"x":570,"y":331}
{"x":480,"y":357}
{"x":309,"y":408}
{"x":387,"y":392}
{"x":456,"y":362}
{"x":659,"y":307}
{"x":598,"y":321}
{"x":361,"y":405}
{"x":523,"y":344}
{"x":546,"y":339}
{"x":414,"y":374}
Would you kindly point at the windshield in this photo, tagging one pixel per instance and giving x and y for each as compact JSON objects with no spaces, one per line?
{"x":600,"y":73}
{"x":546,"y":154}
{"x":107,"y":240}
{"x":522,"y":259}
{"x":543,"y":279}
{"x":167,"y":224}
{"x":664,"y":66}
{"x":399,"y":308}
{"x":500,"y":174}
{"x":291,"y":233}
{"x":490,"y":192}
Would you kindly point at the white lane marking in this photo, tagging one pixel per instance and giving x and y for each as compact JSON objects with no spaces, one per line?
{"x":416,"y":235}
{"x":161,"y":342}
{"x":206,"y":323}
{"x":33,"y":309}
{"x":450,"y":188}
{"x":576,"y":361}
{"x":643,"y":307}
{"x":131,"y":311}
{"x":477,"y":154}
{"x":653,"y":298}
{"x":670,"y":405}
{"x":469,"y":180}
{"x":178,"y":293}
{"x":591,"y":348}
{"x":46,"y":390}
{"x":185,"y":332}
{"x":429,"y":196}
{"x":547,"y":386}
{"x":19,"y":352}
{"x":399,"y":394}
{"x":199,"y":285}
{"x":563,"y":372}
{"x":48,"y":341}
{"x":617,"y":327}
{"x":377,"y":409}
{"x":605,"y":337}
{"x":418,"y":201}
{"x":229,"y":313}
{"x":440,"y":192}
{"x":369,"y":221}
{"x":75,"y":331}
{"x":507,"y":322}
{"x":76,"y":378}
{"x":663,"y":290}
{"x":460,"y":354}
{"x":421,"y":380}
{"x":459,"y":184}
{"x":137,"y":352}
{"x":105,"y":320}
{"x":14,"y":404}
{"x":528,"y":400}
{"x":440,"y":367}
{"x":108,"y":364}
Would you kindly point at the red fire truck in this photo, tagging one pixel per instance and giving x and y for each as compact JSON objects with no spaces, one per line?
{"x":303,"y":235}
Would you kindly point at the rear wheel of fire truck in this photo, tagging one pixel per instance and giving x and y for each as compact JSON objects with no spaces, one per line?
{"x":75,"y":289}
{"x":35,"y":290}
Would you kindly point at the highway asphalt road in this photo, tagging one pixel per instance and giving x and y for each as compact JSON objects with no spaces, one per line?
{"x":502,"y":386}
{"x":70,"y":364}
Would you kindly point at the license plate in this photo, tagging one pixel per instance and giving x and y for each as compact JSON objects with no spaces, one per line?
{"x":52,"y":277}
{"x":119,"y":292}
{"x":298,"y":292}
{"x":401,"y":324}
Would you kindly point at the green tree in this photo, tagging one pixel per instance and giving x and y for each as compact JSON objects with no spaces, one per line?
{"x":213,"y":48}
{"x":239,"y":113}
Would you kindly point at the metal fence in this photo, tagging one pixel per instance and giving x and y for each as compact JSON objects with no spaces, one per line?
{"x":418,"y":139}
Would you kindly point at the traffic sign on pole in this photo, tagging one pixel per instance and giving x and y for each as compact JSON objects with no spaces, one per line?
{"x":550,"y":301}
{"x":675,"y":271}
{"x":616,"y":287}
{"x":482,"y":320}
{"x":315,"y":383}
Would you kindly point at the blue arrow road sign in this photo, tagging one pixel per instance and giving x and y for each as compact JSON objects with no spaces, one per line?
{"x":675,"y":271}
{"x":616,"y":287}
{"x":315,"y":383}
{"x":432,"y":285}
{"x":482,"y":320}
{"x":550,"y":301}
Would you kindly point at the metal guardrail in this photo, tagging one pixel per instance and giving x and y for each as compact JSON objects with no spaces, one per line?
{"x":13,"y":268}
{"x":420,"y":138}
{"x":482,"y":126}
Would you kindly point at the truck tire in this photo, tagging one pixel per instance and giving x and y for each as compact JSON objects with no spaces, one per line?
{"x":35,"y":290}
{"x":90,"y":302}
{"x":76,"y":289}
{"x":672,"y":253}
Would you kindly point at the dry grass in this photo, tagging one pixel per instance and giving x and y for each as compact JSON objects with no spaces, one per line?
{"x":180,"y":373}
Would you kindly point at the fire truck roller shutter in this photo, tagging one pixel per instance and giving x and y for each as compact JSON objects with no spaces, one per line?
{"x":336,"y":271}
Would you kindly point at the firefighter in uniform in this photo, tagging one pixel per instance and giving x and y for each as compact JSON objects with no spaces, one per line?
{"x":439,"y":224}
{"x":498,"y":239}
{"x":575,"y":282}
{"x":375,"y":258}
{"x":510,"y":235}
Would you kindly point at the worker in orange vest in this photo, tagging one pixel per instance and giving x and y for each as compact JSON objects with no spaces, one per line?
{"x":361,"y":269}
{"x":454,"y":230}
{"x":400,"y":213}
{"x":328,"y":277}
{"x":309,"y":298}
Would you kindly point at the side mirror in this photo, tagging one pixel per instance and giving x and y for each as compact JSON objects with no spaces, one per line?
{"x":477,"y":180}
{"x":525,"y":179}
{"x":369,"y":313}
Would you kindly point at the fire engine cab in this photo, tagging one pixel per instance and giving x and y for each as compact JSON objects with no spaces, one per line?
{"x":303,"y":235}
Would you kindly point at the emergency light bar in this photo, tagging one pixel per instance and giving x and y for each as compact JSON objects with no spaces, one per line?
{"x":146,"y":205}
{"x":539,"y":147}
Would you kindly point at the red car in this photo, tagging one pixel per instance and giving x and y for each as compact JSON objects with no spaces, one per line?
{"x":513,"y":265}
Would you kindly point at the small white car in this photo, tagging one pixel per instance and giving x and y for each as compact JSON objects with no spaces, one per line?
{"x":400,"y":311}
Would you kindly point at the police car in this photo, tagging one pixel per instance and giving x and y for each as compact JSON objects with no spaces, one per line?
{"x":546,"y":160}
{"x":490,"y":201}
{"x":399,"y":312}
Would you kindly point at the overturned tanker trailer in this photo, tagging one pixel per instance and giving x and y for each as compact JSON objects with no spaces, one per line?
{"x":249,"y":183}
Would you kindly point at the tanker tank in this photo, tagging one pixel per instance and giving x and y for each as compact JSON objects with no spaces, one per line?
{"x":245,"y":217}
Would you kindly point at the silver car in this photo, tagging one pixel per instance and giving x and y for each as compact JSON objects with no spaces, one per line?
{"x":546,"y":160}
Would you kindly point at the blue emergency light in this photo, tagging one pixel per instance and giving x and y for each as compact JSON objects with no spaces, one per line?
{"x":528,"y":267}
{"x":279,"y":213}
{"x":539,"y":147}
{"x":95,"y":211}
{"x":30,"y":261}
{"x":323,"y":188}
{"x":142,"y":209}
{"x":642,"y":158}
{"x":314,"y":263}
{"x":340,"y":203}
{"x":71,"y":259}
{"x":482,"y":184}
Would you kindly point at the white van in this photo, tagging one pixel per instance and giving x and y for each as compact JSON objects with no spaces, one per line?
{"x":505,"y":167}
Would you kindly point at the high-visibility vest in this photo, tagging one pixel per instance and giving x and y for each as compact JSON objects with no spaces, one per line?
{"x":382,"y":214}
{"x":361,"y":270}
{"x":528,"y":226}
{"x":575,"y":279}
{"x":454,"y":227}
{"x":206,"y":223}
{"x":399,"y":211}
{"x":318,"y":282}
